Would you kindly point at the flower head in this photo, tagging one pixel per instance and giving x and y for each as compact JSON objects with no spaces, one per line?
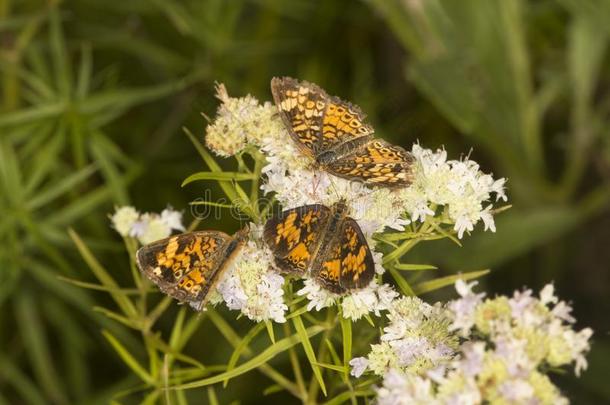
{"x":123,"y":219}
{"x":251,"y":285}
{"x":509,"y":341}
{"x":147,"y":227}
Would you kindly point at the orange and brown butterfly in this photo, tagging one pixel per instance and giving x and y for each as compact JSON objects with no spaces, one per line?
{"x":188,"y":266}
{"x":324,"y":242}
{"x":333,"y":133}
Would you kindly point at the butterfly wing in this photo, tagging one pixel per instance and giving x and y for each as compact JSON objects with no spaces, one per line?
{"x":185,"y":266}
{"x":343,"y":124}
{"x":348,"y":264}
{"x":301,"y":106}
{"x":377,"y":162}
{"x":293,"y":236}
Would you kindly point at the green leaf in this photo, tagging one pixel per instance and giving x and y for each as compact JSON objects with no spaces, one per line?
{"x":270,"y":331}
{"x":414,"y":267}
{"x":340,"y":369}
{"x":211,"y":163}
{"x":110,"y":172}
{"x":10,"y":173}
{"x":125,"y":98}
{"x":345,"y":396}
{"x":232,"y":190}
{"x":126,"y":356}
{"x":56,"y":190}
{"x":130,"y":323}
{"x":309,"y":352}
{"x":243,"y":344}
{"x":59,"y":56}
{"x":441,"y":282}
{"x":272,"y":389}
{"x":403,"y":285}
{"x":21,"y":383}
{"x":34,"y":336}
{"x":257,"y":361}
{"x":98,"y":287}
{"x":83,"y":81}
{"x":31,"y":114}
{"x":218,"y":176}
{"x":225,"y":329}
{"x":213,"y":400}
{"x":45,"y":160}
{"x":346,"y":333}
{"x":102,"y":275}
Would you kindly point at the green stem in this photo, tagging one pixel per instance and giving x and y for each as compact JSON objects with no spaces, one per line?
{"x":314,"y":386}
{"x":296,"y":368}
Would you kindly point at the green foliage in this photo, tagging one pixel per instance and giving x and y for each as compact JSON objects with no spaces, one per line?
{"x":93,"y":98}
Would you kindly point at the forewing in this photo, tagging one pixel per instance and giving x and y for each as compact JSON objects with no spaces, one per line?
{"x":183,"y":266}
{"x":342,"y":123}
{"x":349,"y":263}
{"x":301,"y":106}
{"x":294,"y":234}
{"x":378,"y":162}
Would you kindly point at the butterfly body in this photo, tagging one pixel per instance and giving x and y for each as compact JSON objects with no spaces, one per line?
{"x":333,"y":133}
{"x":188,"y":266}
{"x":324,"y":242}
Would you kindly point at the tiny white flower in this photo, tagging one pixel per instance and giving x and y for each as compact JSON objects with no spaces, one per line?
{"x":150,"y":228}
{"x":318,"y":297}
{"x":123,"y":219}
{"x":359,"y":366}
{"x":463,"y":309}
{"x":516,"y":391}
{"x":173,"y":219}
{"x":359,"y":303}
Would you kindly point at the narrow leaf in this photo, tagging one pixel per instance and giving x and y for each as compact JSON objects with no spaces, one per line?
{"x":402,"y":283}
{"x":261,"y":359}
{"x":346,"y":332}
{"x":218,"y":176}
{"x":432,"y":285}
{"x":311,"y":356}
{"x":128,"y":358}
{"x":245,"y":341}
{"x":102,"y":275}
{"x":414,"y":267}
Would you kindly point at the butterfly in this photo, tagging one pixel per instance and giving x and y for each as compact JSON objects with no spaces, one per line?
{"x":334,"y":134}
{"x":188,"y":266}
{"x":324,"y":242}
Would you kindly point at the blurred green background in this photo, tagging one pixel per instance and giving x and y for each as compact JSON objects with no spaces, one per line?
{"x":94,"y":95}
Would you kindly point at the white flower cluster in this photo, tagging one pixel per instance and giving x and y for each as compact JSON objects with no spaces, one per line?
{"x":251,"y":285}
{"x":417,"y":339}
{"x":506,"y":344}
{"x":372,"y":299}
{"x":240,"y":122}
{"x":541,"y":327}
{"x":147,"y":227}
{"x":455,"y":191}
